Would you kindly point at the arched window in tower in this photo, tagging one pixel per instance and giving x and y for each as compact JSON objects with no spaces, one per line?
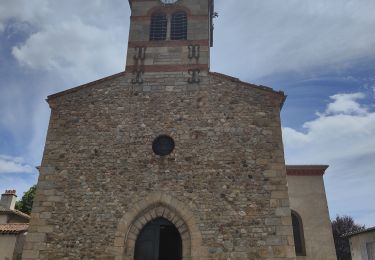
{"x":299,"y":240}
{"x":158,"y":28}
{"x":179,"y":26}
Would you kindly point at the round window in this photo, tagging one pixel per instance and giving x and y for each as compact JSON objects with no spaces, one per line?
{"x":163,"y":145}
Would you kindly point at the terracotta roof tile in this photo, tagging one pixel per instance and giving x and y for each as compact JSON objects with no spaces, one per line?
{"x":13,"y":228}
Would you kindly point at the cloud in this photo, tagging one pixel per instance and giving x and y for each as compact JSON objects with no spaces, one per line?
{"x":271,"y":37}
{"x":78,"y":43}
{"x":309,"y":35}
{"x":9,"y":164}
{"x":346,"y":104}
{"x":23,"y":10}
{"x":74,"y":49}
{"x":343,"y":137}
{"x":345,"y":130}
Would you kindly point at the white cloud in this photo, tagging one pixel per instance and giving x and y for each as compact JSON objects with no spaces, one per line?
{"x":77,"y":39}
{"x":343,"y":136}
{"x":9,"y":164}
{"x":270,"y":37}
{"x":345,"y":129}
{"x":74,"y":49}
{"x":346,"y":104}
{"x":265,"y":37}
{"x":23,"y":10}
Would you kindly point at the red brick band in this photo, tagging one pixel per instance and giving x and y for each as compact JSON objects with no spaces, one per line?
{"x":167,"y":68}
{"x":306,"y":170}
{"x":174,"y":43}
{"x":148,"y":18}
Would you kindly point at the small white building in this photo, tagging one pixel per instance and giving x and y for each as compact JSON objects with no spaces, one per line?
{"x":13,"y":227}
{"x":362,"y":244}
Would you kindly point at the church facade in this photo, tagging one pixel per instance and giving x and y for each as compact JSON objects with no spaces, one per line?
{"x":168,"y":160}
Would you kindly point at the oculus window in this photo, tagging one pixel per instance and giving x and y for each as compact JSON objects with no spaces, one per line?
{"x":163,"y":145}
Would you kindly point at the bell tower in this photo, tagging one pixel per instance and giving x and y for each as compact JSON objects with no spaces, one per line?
{"x":170,"y":36}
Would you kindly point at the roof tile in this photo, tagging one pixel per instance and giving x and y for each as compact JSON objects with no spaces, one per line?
{"x":13,"y":228}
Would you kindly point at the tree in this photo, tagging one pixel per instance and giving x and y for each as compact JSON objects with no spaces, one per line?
{"x":26,"y":203}
{"x":342,"y":226}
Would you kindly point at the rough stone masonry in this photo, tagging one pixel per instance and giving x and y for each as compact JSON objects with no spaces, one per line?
{"x":223,"y":187}
{"x":227,"y":168}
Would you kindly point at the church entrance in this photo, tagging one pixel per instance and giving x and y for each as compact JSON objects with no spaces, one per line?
{"x":159,"y":240}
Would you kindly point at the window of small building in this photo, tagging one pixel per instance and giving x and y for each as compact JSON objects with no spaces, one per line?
{"x":158,"y":28}
{"x":299,"y":240}
{"x":179,"y":26}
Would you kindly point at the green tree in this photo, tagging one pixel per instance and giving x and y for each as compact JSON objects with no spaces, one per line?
{"x":341,"y":226}
{"x":26,"y":203}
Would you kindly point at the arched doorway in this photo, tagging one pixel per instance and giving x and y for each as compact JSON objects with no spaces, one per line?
{"x":159,"y":239}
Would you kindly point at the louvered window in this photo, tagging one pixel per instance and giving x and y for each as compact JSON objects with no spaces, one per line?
{"x":179,"y":26}
{"x":158,"y":30}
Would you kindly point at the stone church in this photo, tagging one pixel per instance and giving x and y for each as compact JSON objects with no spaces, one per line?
{"x":169,"y":161}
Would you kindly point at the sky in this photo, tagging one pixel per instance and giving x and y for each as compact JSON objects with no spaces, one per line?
{"x":320,"y":53}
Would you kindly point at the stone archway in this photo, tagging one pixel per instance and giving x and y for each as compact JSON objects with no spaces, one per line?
{"x":154,"y":206}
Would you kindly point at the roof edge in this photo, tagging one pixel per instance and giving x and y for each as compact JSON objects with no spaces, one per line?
{"x":280,"y":94}
{"x":352,"y":234}
{"x":75,"y":89}
{"x":14,"y":212}
{"x":13,"y":228}
{"x":306,"y":170}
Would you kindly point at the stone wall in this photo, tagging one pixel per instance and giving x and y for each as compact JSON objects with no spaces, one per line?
{"x":225,"y":180}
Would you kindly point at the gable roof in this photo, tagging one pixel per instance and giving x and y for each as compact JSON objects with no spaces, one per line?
{"x":278,"y":94}
{"x":5,"y":211}
{"x":15,"y":228}
{"x":75,"y":89}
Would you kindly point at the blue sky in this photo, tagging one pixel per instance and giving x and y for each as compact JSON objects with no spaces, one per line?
{"x":320,"y":53}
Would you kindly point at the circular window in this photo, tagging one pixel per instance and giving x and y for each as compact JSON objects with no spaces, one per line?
{"x":163,"y":145}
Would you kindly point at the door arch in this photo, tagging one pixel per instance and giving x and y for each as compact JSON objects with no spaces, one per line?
{"x":156,"y":205}
{"x":159,"y":239}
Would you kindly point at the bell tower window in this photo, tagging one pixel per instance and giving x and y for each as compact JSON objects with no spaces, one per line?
{"x":179,"y":26}
{"x":159,"y":25}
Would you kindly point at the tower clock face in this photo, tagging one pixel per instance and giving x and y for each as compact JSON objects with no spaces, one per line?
{"x":168,"y":2}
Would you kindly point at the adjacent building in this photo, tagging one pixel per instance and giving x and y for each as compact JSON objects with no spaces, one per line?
{"x":13,"y":227}
{"x":362,"y":244}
